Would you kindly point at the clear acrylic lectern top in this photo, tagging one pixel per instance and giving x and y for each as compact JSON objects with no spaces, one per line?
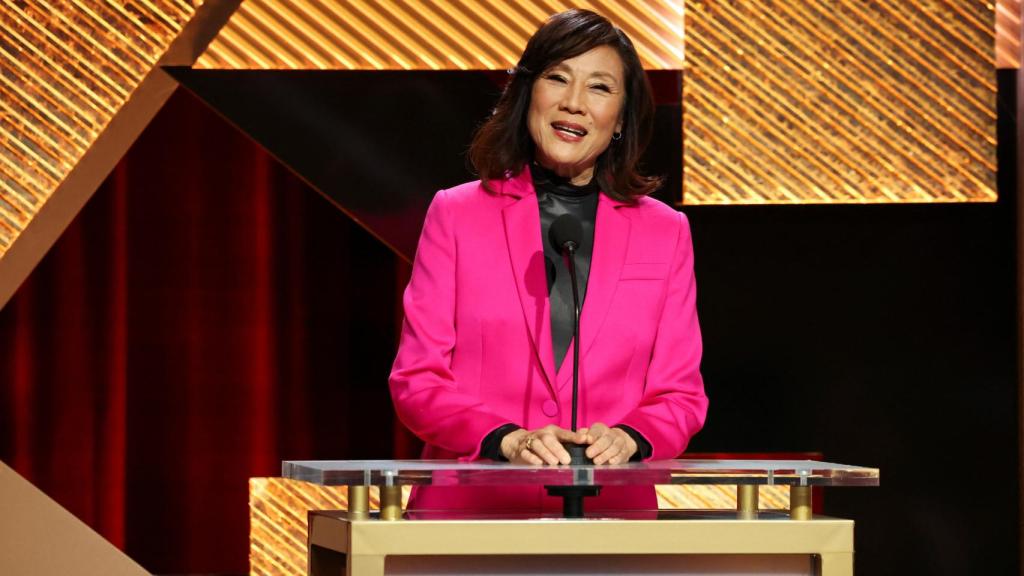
{"x":486,"y":473}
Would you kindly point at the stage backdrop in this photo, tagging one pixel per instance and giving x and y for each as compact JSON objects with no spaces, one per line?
{"x":208,"y":315}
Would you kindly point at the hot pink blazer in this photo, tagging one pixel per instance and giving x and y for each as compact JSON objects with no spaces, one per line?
{"x":476,"y":352}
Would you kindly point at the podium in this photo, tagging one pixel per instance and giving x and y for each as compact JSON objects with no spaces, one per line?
{"x":746,"y":540}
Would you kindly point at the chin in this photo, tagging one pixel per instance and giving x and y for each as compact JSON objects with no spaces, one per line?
{"x":573,"y":163}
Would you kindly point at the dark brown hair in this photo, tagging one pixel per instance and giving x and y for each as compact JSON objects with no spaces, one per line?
{"x":502,"y":145}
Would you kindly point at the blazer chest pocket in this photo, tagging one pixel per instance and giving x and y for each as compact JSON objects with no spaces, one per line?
{"x":644,"y":271}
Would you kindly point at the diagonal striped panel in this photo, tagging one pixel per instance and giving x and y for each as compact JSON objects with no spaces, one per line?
{"x":422,"y":34}
{"x":68,"y":67}
{"x":847,"y":101}
{"x":1008,"y":29}
{"x":278,"y":520}
{"x":278,"y":510}
{"x":79,"y":80}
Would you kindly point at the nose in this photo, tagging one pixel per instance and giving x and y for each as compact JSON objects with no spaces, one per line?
{"x":572,"y":99}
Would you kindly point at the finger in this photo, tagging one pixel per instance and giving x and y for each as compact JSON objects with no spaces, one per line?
{"x":603,"y":456}
{"x":528,"y":457}
{"x":620,"y":458}
{"x":627,"y":448}
{"x":569,"y":436}
{"x":552,"y":443}
{"x":552,"y":429}
{"x":623,"y":457}
{"x":608,"y":455}
{"x":619,"y":450}
{"x":600,"y":445}
{"x":582,"y":436}
{"x":595,"y":432}
{"x":542,"y":448}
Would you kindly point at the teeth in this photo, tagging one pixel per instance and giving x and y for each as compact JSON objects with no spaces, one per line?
{"x":570,"y":130}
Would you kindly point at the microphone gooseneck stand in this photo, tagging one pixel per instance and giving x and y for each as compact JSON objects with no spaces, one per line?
{"x":578,"y":452}
{"x":573,"y":495}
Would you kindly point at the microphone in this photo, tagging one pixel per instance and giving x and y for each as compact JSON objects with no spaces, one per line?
{"x":566,"y":234}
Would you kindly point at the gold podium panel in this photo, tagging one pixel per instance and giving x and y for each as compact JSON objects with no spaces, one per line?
{"x":373,"y":547}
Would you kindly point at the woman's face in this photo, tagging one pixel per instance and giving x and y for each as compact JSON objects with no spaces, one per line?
{"x":574,"y":110}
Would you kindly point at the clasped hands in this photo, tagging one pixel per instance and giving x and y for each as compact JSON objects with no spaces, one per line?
{"x":544,"y":445}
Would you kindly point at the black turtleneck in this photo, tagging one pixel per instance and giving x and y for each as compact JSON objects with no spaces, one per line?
{"x":557,"y":196}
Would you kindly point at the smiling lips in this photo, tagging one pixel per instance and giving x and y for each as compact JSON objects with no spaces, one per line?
{"x":568,"y":131}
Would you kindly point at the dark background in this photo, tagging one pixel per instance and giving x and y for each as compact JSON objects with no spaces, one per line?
{"x":209,"y":314}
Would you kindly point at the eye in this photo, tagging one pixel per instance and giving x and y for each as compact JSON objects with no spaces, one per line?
{"x":601,"y":87}
{"x":554,"y":76}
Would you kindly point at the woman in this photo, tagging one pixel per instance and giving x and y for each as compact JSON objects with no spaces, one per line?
{"x":485,"y":362}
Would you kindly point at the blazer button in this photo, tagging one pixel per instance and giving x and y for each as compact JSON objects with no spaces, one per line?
{"x":550,"y":408}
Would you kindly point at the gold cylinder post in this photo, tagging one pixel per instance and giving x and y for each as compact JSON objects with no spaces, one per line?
{"x":800,"y":502}
{"x":358,"y":502}
{"x":390,"y":502}
{"x":746,"y":501}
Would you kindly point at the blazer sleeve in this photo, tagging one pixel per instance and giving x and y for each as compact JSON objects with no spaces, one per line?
{"x":426,"y":395}
{"x":674,"y":405}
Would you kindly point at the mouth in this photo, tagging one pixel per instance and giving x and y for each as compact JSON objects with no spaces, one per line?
{"x":570,"y":129}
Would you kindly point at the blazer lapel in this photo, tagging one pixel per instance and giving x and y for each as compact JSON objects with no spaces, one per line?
{"x":522,"y":232}
{"x":611,"y":237}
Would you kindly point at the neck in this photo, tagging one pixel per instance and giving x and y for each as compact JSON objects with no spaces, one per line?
{"x":572,"y":173}
{"x":546,"y":182}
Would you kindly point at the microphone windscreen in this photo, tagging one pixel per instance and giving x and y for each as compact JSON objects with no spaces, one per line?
{"x":566,"y":228}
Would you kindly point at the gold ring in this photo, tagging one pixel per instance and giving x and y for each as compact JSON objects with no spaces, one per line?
{"x":529,"y":440}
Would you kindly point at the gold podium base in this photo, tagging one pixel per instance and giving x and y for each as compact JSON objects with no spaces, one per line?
{"x":339,"y":546}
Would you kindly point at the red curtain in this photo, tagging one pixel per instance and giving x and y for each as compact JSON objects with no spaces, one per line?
{"x":206,"y":316}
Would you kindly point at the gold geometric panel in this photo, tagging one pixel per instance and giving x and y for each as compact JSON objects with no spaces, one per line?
{"x":278,"y":510}
{"x":839,"y":102}
{"x":68,"y":67}
{"x":421,"y":34}
{"x":1008,"y":29}
{"x":79,"y":80}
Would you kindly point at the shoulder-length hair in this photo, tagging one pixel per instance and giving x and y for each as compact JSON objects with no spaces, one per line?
{"x":502,"y":145}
